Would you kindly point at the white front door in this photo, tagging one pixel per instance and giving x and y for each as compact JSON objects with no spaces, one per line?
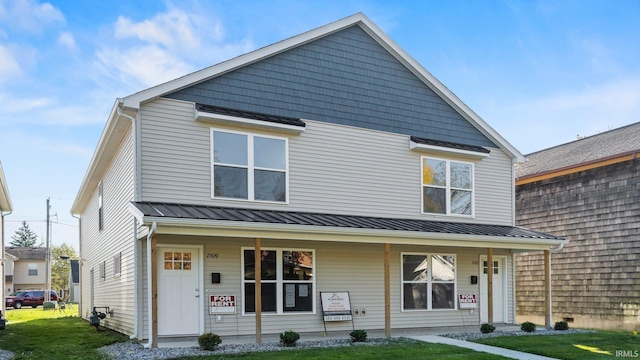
{"x":499,"y":295}
{"x":179,"y":293}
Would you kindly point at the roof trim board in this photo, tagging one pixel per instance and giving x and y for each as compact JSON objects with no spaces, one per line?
{"x":578,"y":167}
{"x":134,"y":101}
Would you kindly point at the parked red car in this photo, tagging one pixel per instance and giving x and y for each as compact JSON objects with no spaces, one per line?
{"x":33,"y":298}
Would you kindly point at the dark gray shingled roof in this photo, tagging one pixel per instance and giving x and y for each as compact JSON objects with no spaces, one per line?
{"x":612,"y":143}
{"x":27,"y":253}
{"x":449,"y":145}
{"x":216,"y":213}
{"x":250,"y":115}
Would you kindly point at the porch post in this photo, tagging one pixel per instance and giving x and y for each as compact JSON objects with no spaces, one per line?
{"x":154,"y":292}
{"x":490,"y":285}
{"x":547,"y":289}
{"x":258,"y":291}
{"x":387,"y":291}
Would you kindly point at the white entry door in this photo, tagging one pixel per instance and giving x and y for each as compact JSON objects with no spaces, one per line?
{"x":499,"y":295}
{"x":179,"y":293}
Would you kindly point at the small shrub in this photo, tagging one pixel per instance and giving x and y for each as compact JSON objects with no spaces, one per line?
{"x":289,"y":338}
{"x":209,"y":341}
{"x":487,"y":328}
{"x":358,"y":336}
{"x":561,"y":325}
{"x":528,"y":326}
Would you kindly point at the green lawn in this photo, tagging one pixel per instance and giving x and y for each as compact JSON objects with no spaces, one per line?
{"x":593,"y":345}
{"x":38,"y":334}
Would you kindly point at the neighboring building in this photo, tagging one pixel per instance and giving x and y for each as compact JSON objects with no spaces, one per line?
{"x":29,"y":267}
{"x":9,"y":265}
{"x":74,"y":281}
{"x":330,"y":162}
{"x":587,"y":191}
{"x":5,"y":209}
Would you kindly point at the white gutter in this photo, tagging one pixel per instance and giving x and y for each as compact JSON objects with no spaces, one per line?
{"x":152,"y":231}
{"x":556,"y":249}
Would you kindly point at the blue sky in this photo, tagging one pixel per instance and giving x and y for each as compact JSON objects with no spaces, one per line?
{"x":539,"y":72}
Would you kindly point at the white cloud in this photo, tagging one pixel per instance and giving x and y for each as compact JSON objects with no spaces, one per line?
{"x":15,"y":105}
{"x":28,"y":15}
{"x":9,"y":66}
{"x":149,"y":64}
{"x":66,"y":39}
{"x":174,"y":29}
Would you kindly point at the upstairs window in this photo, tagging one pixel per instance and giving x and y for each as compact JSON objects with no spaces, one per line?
{"x":33,"y":269}
{"x":100,"y":208}
{"x":249,"y":167}
{"x":447,"y":187}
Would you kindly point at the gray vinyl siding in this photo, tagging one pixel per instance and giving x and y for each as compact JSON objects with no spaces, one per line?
{"x":343,"y":78}
{"x":356,"y":268}
{"x":332,"y":169}
{"x":101,"y":246}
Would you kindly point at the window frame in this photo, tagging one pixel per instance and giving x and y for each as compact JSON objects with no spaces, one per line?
{"x":117,"y":265}
{"x":100,"y":206}
{"x":30,"y":267}
{"x":429,"y":281}
{"x":448,"y":188}
{"x":279,"y":281}
{"x":251,"y":168}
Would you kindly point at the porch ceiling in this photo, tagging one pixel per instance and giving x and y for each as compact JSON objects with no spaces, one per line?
{"x":239,"y":222}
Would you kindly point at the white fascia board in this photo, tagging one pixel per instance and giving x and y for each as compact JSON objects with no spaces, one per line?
{"x":440,"y":89}
{"x":325,"y":233}
{"x":102,"y":156}
{"x":445,"y":150}
{"x":134,"y":101}
{"x":5,"y":198}
{"x":234,"y":120}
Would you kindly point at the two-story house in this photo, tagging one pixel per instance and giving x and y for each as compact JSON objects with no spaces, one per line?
{"x":5,"y":208}
{"x":29,"y":266}
{"x":587,"y":191}
{"x":241,"y":198}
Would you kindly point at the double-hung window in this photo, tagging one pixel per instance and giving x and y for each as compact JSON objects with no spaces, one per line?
{"x":447,"y":187}
{"x":249,"y":167}
{"x":286,"y":277}
{"x":428,"y":282}
{"x":33,"y":269}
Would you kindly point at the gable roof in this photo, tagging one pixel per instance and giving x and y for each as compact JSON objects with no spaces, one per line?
{"x":602,"y":149}
{"x":296,"y":222}
{"x":128,"y":106}
{"x":27,"y":253}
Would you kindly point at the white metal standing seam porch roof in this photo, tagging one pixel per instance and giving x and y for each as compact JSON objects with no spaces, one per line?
{"x":239,"y":222}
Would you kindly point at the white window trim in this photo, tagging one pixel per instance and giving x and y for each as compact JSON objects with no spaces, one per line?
{"x":279,"y":281}
{"x":448,"y":187}
{"x":429,"y":282}
{"x":250,"y":167}
{"x":117,"y":265}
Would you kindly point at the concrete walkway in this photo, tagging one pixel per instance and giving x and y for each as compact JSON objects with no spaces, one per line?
{"x":479,"y":347}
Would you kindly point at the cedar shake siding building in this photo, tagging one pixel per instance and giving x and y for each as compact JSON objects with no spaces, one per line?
{"x":587,"y":191}
{"x":5,"y":209}
{"x":291,"y":186}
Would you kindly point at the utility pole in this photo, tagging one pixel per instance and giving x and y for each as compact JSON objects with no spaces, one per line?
{"x":47,"y":296}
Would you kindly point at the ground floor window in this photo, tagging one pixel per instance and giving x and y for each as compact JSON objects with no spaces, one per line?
{"x":428,"y":281}
{"x":287,"y":280}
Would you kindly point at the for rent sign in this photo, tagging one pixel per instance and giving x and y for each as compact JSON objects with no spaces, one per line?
{"x":468,"y":301}
{"x":222,"y":304}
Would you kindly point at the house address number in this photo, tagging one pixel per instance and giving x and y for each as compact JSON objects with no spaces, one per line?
{"x":212,"y":255}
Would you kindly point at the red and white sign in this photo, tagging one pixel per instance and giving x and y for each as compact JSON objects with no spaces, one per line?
{"x":222,"y":304}
{"x":468,"y":301}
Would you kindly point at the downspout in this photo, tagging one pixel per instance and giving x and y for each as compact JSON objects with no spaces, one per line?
{"x":79,"y":263}
{"x":149,"y":290}
{"x":136,"y":271}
